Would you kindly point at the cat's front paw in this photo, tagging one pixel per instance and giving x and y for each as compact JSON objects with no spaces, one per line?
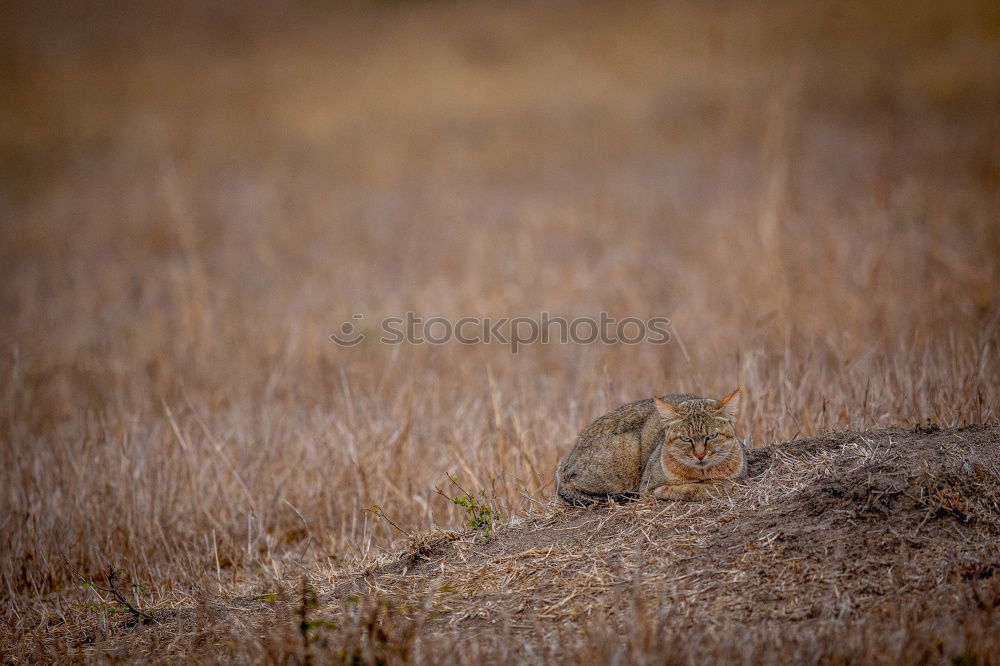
{"x":698,"y":490}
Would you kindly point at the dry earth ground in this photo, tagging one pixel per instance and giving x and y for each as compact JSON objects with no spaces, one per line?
{"x":853,"y":547}
{"x":880,"y":529}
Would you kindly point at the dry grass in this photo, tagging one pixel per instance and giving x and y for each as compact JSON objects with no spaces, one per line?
{"x":194,"y":199}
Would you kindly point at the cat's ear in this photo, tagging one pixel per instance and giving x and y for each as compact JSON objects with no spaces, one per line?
{"x":730,"y":404}
{"x":667,"y":411}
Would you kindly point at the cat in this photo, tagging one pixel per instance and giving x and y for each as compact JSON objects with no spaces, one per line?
{"x":680,"y":446}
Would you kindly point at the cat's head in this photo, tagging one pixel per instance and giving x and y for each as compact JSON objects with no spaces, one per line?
{"x":699,"y":432}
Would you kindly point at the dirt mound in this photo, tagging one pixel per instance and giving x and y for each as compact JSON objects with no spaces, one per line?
{"x":850,"y":529}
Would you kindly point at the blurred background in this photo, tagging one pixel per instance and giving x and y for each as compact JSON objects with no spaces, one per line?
{"x":195,"y":195}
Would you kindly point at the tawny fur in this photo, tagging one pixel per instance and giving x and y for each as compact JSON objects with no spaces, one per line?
{"x":680,"y":446}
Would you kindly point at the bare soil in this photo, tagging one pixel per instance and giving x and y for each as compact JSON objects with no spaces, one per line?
{"x":849,"y":527}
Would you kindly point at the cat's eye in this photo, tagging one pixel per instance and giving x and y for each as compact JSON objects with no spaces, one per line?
{"x":713,"y":436}
{"x":685,"y":439}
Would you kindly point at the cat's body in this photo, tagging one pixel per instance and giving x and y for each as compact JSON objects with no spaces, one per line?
{"x":681,"y":446}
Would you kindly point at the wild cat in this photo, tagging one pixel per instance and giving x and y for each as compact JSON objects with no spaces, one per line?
{"x":681,"y":446}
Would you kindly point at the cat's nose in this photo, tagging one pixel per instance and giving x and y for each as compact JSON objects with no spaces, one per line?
{"x":699,"y":456}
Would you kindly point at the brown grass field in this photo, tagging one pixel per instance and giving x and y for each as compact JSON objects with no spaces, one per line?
{"x":194,"y":196}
